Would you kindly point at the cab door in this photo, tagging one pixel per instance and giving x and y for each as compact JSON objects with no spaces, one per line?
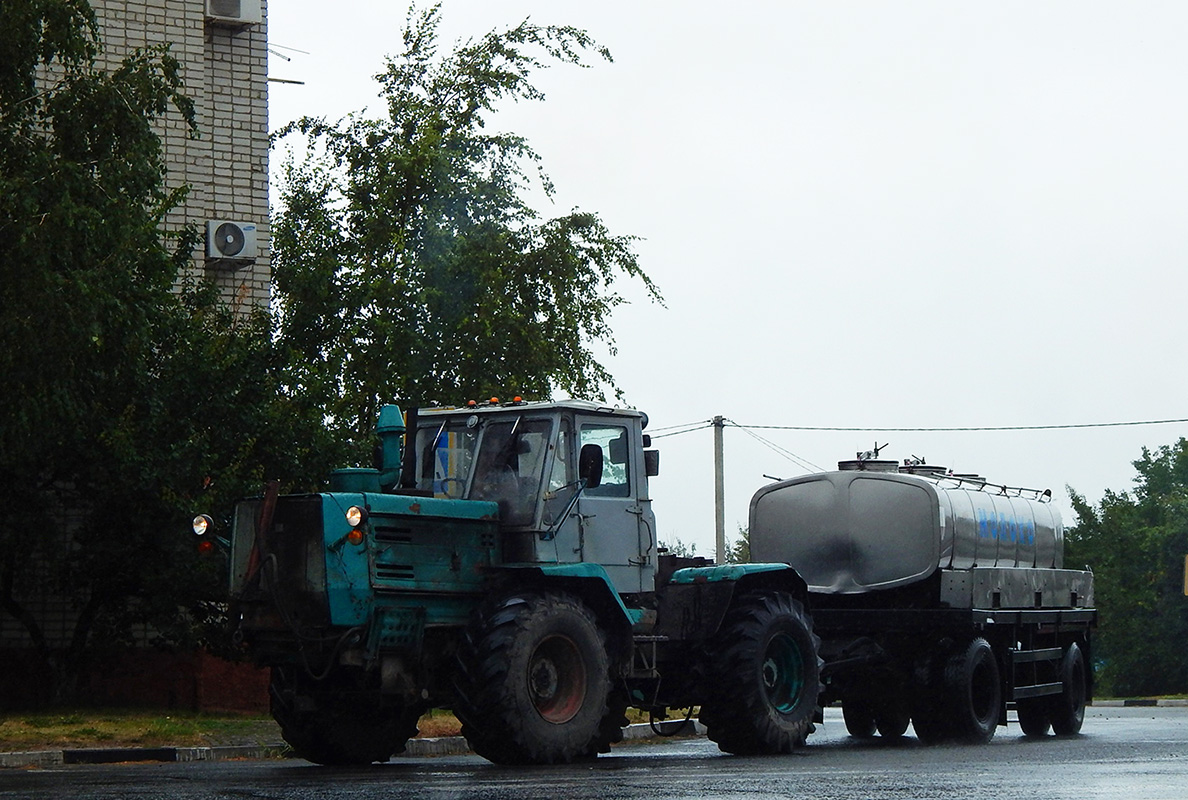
{"x":614,"y":527}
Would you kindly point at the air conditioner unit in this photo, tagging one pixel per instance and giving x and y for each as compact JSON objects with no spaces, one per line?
{"x":227,"y":240}
{"x":234,"y":12}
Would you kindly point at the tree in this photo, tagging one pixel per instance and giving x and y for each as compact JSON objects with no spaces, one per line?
{"x":129,"y":393}
{"x":408,"y":265}
{"x":739,"y":550}
{"x":1136,"y":544}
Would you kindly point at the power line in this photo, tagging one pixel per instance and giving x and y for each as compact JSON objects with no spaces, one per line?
{"x":803,"y":463}
{"x":966,"y":429}
{"x":661,"y":433}
{"x":676,"y":430}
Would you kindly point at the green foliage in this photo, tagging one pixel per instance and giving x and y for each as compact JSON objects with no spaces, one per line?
{"x":739,"y":550}
{"x":131,"y":397}
{"x":409,"y":267}
{"x":679,"y":548}
{"x":1136,"y":544}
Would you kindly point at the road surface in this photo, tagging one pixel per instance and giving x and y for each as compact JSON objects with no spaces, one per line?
{"x":1122,"y":753}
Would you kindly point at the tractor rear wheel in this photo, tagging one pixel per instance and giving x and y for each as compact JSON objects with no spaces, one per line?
{"x":764,"y":677}
{"x":533,"y":681}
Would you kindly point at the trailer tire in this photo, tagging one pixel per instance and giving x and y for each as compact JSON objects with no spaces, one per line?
{"x":533,"y":681}
{"x":764,"y":677}
{"x":973,"y":692}
{"x":337,"y":727}
{"x":892,"y":719}
{"x":1068,"y":707}
{"x":859,"y":718}
{"x":1034,"y":717}
{"x":928,"y":714}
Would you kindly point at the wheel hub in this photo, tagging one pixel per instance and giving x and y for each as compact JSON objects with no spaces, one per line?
{"x":557,"y":679}
{"x":781,"y":672}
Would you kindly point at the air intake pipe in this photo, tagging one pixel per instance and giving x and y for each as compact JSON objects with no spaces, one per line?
{"x":389,"y":427}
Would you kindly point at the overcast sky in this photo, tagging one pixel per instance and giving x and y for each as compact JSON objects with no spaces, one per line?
{"x":861,"y":214}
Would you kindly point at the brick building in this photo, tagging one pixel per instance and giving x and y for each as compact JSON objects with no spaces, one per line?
{"x":222,"y":47}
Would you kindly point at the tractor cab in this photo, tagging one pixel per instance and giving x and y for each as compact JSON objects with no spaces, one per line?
{"x":569,"y":478}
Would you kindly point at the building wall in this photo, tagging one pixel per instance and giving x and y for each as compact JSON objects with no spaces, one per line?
{"x":225,"y":71}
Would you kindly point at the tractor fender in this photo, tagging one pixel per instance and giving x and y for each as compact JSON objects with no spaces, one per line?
{"x":587,"y":582}
{"x":695,"y":601}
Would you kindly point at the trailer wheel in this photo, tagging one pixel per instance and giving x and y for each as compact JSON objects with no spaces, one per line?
{"x":533,"y":681}
{"x":334,"y":725}
{"x":764,"y":677}
{"x":859,"y":719}
{"x":1068,"y":707}
{"x":973,"y":692}
{"x":928,"y":714}
{"x":892,"y":719}
{"x":1034,"y":719}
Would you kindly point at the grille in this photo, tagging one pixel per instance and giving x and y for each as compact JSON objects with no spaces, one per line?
{"x":394,"y":572}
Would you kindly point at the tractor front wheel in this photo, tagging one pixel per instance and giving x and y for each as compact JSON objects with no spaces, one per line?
{"x":336,"y":723}
{"x":533,"y":681}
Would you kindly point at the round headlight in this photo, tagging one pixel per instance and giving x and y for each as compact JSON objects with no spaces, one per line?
{"x":202,"y":524}
{"x":356,"y":516}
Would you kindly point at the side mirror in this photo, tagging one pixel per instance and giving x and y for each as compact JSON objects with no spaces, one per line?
{"x":590,"y":465}
{"x":652,"y":463}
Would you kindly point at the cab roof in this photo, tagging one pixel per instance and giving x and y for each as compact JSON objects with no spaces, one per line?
{"x":497,"y":407}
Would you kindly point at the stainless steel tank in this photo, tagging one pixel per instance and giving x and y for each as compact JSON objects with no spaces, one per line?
{"x":852,"y":531}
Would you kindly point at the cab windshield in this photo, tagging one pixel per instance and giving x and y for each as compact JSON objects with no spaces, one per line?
{"x":494,"y":458}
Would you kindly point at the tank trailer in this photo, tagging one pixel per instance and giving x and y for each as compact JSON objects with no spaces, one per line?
{"x":501,"y":561}
{"x":939,"y":599}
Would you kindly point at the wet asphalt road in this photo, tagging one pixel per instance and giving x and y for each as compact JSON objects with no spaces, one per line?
{"x":1122,"y":753}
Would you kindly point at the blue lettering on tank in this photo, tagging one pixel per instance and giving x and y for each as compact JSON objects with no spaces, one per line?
{"x":1005,"y":529}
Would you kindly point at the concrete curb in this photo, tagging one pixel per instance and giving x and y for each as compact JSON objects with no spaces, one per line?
{"x":442,"y":746}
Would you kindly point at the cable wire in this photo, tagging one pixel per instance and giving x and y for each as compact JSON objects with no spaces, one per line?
{"x":967,"y":429}
{"x":670,"y":431}
{"x":803,"y":463}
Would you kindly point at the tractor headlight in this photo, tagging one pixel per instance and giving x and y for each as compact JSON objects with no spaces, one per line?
{"x":356,"y":516}
{"x":202,"y":525}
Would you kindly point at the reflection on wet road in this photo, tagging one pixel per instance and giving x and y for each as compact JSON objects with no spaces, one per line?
{"x":1130,"y":753}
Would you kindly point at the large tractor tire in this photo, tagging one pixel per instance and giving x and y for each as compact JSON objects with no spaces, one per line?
{"x":973,"y":692}
{"x":533,"y":681}
{"x":1067,"y":709}
{"x":764,"y":677}
{"x":329,"y":722}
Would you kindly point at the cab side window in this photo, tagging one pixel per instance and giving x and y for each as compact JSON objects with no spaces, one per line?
{"x":616,"y":477}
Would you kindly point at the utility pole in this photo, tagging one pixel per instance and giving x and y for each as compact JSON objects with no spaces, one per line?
{"x":719,"y":491}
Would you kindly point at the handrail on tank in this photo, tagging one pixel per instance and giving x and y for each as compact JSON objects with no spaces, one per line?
{"x":1041,"y":495}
